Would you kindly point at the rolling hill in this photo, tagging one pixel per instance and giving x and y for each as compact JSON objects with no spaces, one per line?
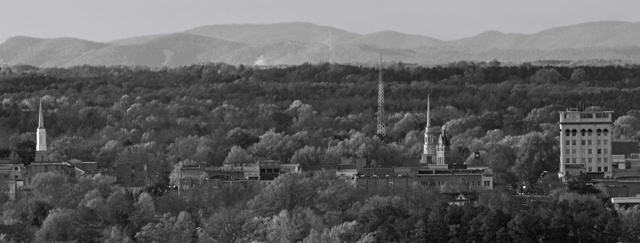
{"x":294,"y":43}
{"x":45,"y":52}
{"x":164,"y":50}
{"x":262,"y":33}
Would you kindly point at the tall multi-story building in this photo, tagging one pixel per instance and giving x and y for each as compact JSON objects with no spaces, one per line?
{"x":585,"y":142}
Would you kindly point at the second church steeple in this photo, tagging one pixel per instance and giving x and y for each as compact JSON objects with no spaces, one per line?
{"x":41,"y":138}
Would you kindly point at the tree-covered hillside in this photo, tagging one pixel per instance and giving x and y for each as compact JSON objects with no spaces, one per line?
{"x":198,"y":113}
{"x":308,"y":114}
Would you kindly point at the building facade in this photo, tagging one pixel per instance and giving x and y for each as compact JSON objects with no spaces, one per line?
{"x":443,"y":149}
{"x":388,"y":181}
{"x":585,"y":142}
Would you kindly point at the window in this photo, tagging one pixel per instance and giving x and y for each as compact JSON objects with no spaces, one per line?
{"x":567,"y":142}
{"x":487,"y":183}
{"x":583,"y":132}
{"x":573,"y":142}
{"x":584,"y":160}
{"x":606,"y":151}
{"x":567,"y":132}
{"x":568,"y":151}
{"x":605,"y":132}
{"x":599,"y":151}
{"x":598,"y":142}
{"x":573,"y":151}
{"x":599,"y":168}
{"x":589,"y":169}
{"x":568,"y":160}
{"x":598,"y":132}
{"x":606,"y":160}
{"x":574,"y":160}
{"x":582,"y":150}
{"x":605,"y":142}
{"x":589,"y":142}
{"x":599,"y":160}
{"x":584,"y":142}
{"x":590,"y":151}
{"x":606,"y":168}
{"x":589,"y":132}
{"x":586,"y":115}
{"x":573,"y":132}
{"x":590,"y":160}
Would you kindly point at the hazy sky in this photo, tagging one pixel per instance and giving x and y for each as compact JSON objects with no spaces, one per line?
{"x":446,"y":19}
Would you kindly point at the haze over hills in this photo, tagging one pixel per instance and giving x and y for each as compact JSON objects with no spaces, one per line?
{"x":295,"y":43}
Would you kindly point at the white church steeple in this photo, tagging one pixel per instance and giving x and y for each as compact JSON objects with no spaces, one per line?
{"x":429,"y":148}
{"x":41,"y":138}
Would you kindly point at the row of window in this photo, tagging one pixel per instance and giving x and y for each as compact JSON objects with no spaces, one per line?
{"x":589,"y":151}
{"x":473,"y":183}
{"x":590,"y":115}
{"x":599,"y":169}
{"x":586,"y":142}
{"x":584,"y":160}
{"x":588,"y":132}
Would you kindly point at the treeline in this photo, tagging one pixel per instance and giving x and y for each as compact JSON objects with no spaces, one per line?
{"x":310,"y":114}
{"x":318,"y":208}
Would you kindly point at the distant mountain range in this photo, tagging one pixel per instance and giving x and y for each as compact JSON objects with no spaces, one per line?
{"x":295,"y":43}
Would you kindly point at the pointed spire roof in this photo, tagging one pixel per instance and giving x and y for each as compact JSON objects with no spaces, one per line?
{"x":40,"y":120}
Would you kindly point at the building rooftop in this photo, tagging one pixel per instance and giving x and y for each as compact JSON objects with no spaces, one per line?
{"x":574,"y":116}
{"x":626,"y":148}
{"x":615,"y":200}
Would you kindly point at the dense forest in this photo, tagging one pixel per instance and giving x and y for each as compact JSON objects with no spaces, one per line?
{"x":309,"y":114}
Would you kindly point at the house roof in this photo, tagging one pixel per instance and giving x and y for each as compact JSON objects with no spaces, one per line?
{"x":626,"y":148}
{"x":462,"y":196}
{"x":6,"y":166}
{"x":66,"y":166}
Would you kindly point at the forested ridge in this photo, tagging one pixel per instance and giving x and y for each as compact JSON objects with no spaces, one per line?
{"x":309,"y":114}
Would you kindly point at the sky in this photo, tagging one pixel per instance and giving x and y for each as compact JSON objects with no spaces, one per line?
{"x":110,"y":20}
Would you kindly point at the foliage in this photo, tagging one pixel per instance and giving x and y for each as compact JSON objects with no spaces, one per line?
{"x":238,"y":155}
{"x":212,"y":114}
{"x":169,"y":229}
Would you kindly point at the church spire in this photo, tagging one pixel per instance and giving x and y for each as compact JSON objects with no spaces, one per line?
{"x":429,"y":147}
{"x":40,"y":120}
{"x":41,"y":138}
{"x":428,"y":112}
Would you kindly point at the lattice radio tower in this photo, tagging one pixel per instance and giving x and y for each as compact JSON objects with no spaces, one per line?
{"x":381,"y":131}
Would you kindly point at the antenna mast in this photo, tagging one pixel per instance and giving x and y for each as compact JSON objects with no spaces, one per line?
{"x":381,"y":129}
